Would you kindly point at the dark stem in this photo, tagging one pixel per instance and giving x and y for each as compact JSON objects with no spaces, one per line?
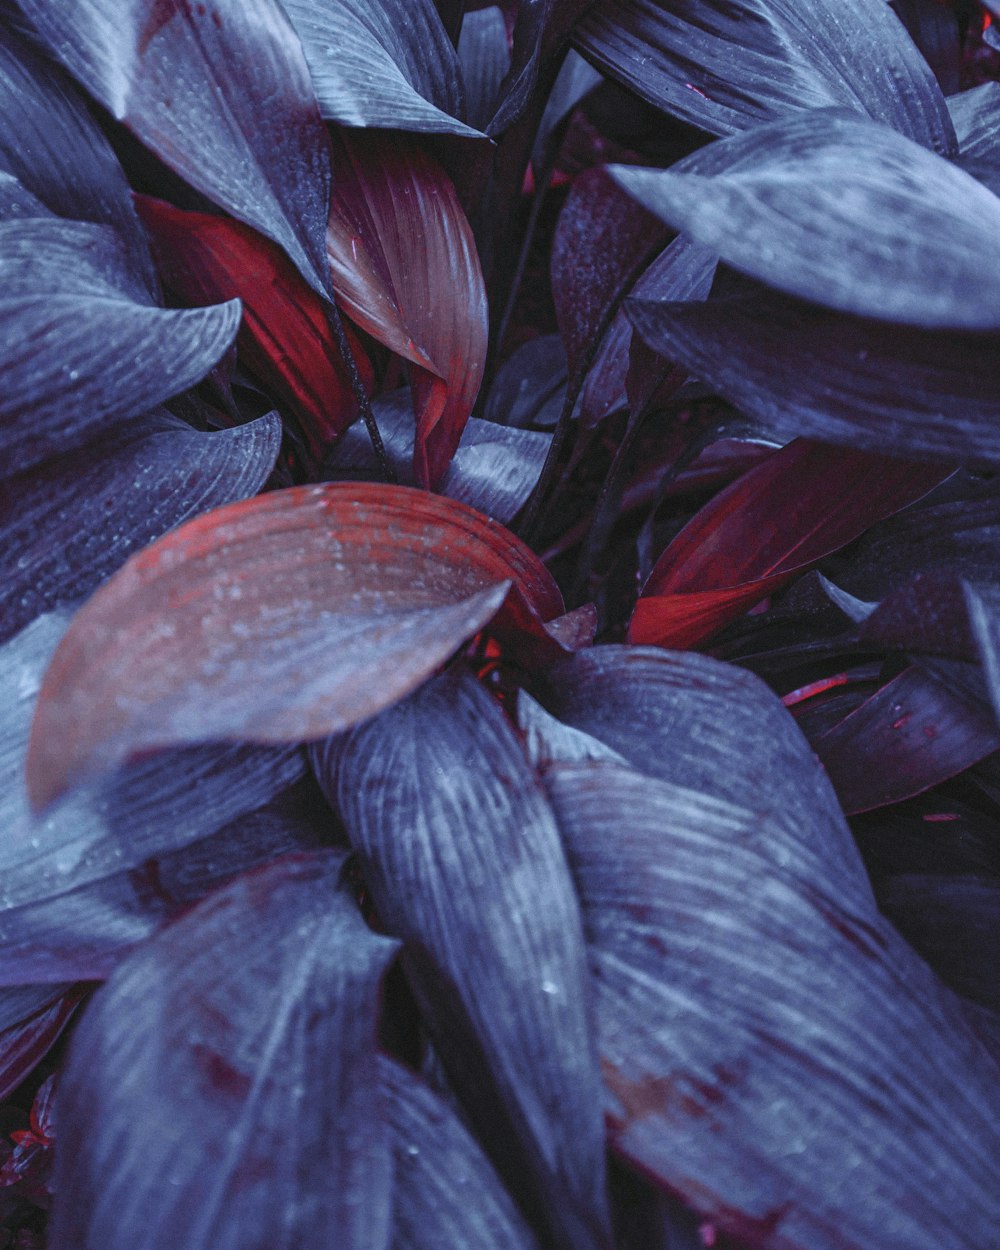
{"x":360,"y":394}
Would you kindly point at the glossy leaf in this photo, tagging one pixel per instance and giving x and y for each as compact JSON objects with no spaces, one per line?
{"x":728,"y":65}
{"x":285,"y":335}
{"x":602,"y":244}
{"x":69,"y":523}
{"x":382,"y":63}
{"x":51,"y":143}
{"x":445,"y":1191}
{"x":772,"y":524}
{"x":78,"y":352}
{"x":838,"y":210}
{"x":910,"y":735}
{"x":493,"y":469}
{"x":464,"y":863}
{"x":24,"y":1045}
{"x":976,"y":116}
{"x":696,"y":722}
{"x":982,"y":601}
{"x":279,"y":619}
{"x":868,"y":384}
{"x":221,"y":93}
{"x":773,"y":1053}
{"x":223,"y":1089}
{"x":405,"y":269}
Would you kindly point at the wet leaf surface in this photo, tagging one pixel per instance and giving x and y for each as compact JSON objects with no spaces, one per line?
{"x":289,"y":616}
{"x":463,"y":859}
{"x":223,"y":1088}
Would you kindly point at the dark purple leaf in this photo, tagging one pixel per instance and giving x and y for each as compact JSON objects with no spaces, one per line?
{"x":835,"y":209}
{"x":277,"y":619}
{"x":773,"y":1052}
{"x":382,"y":63}
{"x":954,"y":922}
{"x":928,"y":614}
{"x":445,"y":1191}
{"x":221,"y":93}
{"x":484,"y":53}
{"x":982,"y":601}
{"x":25,"y":1044}
{"x":804,"y":370}
{"x":693,"y":721}
{"x":78,"y":352}
{"x":530,"y":384}
{"x":575,"y":80}
{"x":494,"y":468}
{"x":773,"y":523}
{"x":406,"y":270}
{"x":727,"y":65}
{"x":933,"y":27}
{"x":463,"y":859}
{"x":51,"y":143}
{"x":223,"y":1090}
{"x":910,"y":735}
{"x":69,"y":523}
{"x":602,"y":244}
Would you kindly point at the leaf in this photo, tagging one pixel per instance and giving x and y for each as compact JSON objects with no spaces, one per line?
{"x":285,"y":335}
{"x":69,"y":523}
{"x":952,"y":922}
{"x":222,"y":1089}
{"x":690,"y":720}
{"x":78,"y":352}
{"x":405,"y":269}
{"x":602,"y":243}
{"x":835,"y":209}
{"x":24,"y":1045}
{"x":52,"y":144}
{"x":982,"y":601}
{"x":464,"y":863}
{"x":774,"y":1054}
{"x":911,"y":735}
{"x":770,"y":525}
{"x":530,"y":384}
{"x":882,"y":388}
{"x":934,"y":29}
{"x":221,"y":93}
{"x":484,"y":54}
{"x":494,"y":467}
{"x":446,"y":1193}
{"x":729,"y":65}
{"x":279,"y":619}
{"x":382,"y":63}
{"x":975,"y":114}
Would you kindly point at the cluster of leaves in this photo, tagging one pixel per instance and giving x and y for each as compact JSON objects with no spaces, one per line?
{"x":345,"y":343}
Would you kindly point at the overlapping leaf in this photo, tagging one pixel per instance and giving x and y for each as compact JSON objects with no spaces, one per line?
{"x":693,"y":721}
{"x":223,"y":1089}
{"x":910,"y":735}
{"x":382,"y":63}
{"x":803,"y":370}
{"x":464,"y":862}
{"x":68,"y":524}
{"x":279,"y":619}
{"x":772,"y":1052}
{"x":78,"y":351}
{"x":221,"y":93}
{"x":484,"y":54}
{"x":445,"y":1191}
{"x":838,"y":210}
{"x":405,"y":269}
{"x":493,"y":469}
{"x":772,"y":524}
{"x":24,"y":1044}
{"x":727,"y":65}
{"x":285,"y":334}
{"x":52,"y":144}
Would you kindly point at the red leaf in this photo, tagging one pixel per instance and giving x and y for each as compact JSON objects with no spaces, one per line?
{"x":285,"y":334}
{"x":286,"y":617}
{"x":405,"y":269}
{"x":781,"y":518}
